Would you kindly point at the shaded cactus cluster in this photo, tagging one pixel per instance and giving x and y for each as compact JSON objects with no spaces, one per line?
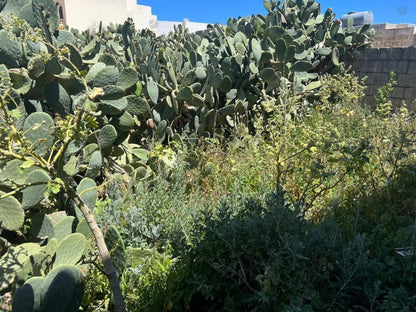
{"x":26,"y":264}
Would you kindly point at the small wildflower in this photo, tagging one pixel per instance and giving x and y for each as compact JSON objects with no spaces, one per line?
{"x":350,"y":113}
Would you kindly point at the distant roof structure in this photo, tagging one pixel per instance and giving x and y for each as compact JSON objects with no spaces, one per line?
{"x":359,"y":18}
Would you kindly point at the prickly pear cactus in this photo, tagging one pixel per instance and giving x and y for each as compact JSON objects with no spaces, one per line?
{"x":38,"y":129}
{"x":11,"y":213}
{"x":115,"y":245}
{"x":13,"y":260}
{"x":61,"y":290}
{"x":71,"y":249}
{"x":34,"y":194}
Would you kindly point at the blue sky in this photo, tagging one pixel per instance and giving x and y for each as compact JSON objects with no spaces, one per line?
{"x":218,"y":11}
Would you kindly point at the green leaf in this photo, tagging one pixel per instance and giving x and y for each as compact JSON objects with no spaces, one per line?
{"x":201,"y":73}
{"x":42,"y":227}
{"x":94,"y":165}
{"x":38,"y":129}
{"x":268,"y":74}
{"x":65,"y":36}
{"x":124,"y":122}
{"x":256,"y":48}
{"x":139,"y":88}
{"x":57,"y":98}
{"x":116,"y":247}
{"x":189,"y":78}
{"x":93,"y":72}
{"x":241,"y":49}
{"x":267,"y":5}
{"x":13,"y":260}
{"x":313,"y":85}
{"x":113,"y":107}
{"x":27,"y":164}
{"x":71,"y":166}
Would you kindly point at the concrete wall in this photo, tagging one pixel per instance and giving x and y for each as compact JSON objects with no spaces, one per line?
{"x":377,"y":64}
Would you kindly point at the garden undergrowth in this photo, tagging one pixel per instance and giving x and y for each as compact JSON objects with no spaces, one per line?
{"x":305,"y":211}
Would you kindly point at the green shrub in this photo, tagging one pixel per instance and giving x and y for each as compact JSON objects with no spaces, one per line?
{"x":262,"y":255}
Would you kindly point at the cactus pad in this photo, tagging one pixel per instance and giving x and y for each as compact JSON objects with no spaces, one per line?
{"x":42,"y":227}
{"x":13,"y":260}
{"x":28,"y":297}
{"x":33,"y":195}
{"x":39,"y":132}
{"x":70,"y":249}
{"x":57,"y":98}
{"x":89,"y":197}
{"x":107,"y":136}
{"x":113,"y":107}
{"x":11,"y":213}
{"x":138,"y":106}
{"x":61,"y":290}
{"x":128,"y":78}
{"x":94,"y":165}
{"x":64,"y":228}
{"x":106,"y":76}
{"x":116,"y":248}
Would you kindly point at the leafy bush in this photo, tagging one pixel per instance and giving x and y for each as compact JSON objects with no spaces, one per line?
{"x":262,"y":255}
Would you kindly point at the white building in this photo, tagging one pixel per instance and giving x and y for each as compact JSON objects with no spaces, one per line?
{"x":164,"y":27}
{"x":87,"y":14}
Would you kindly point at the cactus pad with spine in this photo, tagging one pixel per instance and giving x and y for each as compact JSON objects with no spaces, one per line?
{"x":33,"y":195}
{"x":115,"y":245}
{"x":12,"y":215}
{"x":70,"y":249}
{"x":13,"y":260}
{"x":38,"y":129}
{"x":57,"y":98}
{"x":90,"y":197}
{"x":94,"y":165}
{"x":128,"y":78}
{"x":107,"y":136}
{"x":138,"y":106}
{"x":64,"y":227}
{"x":42,"y":227}
{"x":61,"y":290}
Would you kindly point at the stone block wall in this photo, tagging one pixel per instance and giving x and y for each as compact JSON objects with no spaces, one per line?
{"x":392,"y":35}
{"x":377,"y":64}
